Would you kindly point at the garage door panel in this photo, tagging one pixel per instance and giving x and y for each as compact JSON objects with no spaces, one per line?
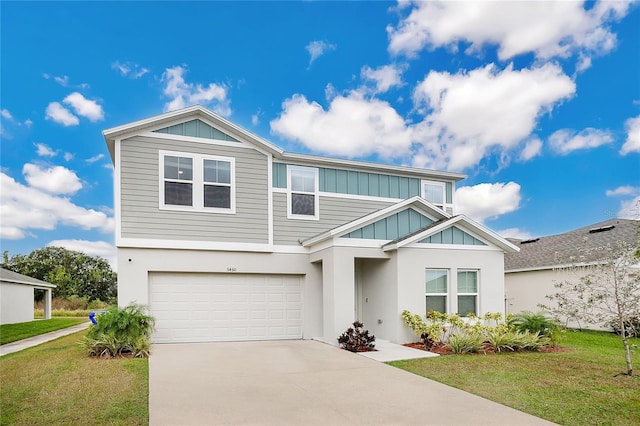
{"x":225,"y":307}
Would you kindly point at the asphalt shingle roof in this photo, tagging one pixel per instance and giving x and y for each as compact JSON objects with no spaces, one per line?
{"x":546,"y":252}
{"x":14,"y":277}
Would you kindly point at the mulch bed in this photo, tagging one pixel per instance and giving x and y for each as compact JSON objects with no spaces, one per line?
{"x":441,"y":349}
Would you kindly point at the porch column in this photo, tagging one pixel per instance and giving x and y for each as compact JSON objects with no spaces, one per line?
{"x":338,"y":291}
{"x":47,"y":303}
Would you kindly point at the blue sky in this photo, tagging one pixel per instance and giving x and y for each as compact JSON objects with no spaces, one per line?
{"x":538,"y":102}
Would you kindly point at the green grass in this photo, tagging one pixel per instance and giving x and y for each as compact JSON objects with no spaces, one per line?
{"x":573,"y":387}
{"x":22,"y":330}
{"x":56,"y":383}
{"x":39,"y":313}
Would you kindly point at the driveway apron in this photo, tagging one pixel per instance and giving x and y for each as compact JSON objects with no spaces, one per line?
{"x":303,"y":382}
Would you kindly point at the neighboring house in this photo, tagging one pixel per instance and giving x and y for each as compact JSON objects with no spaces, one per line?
{"x":530,"y":275}
{"x":227,"y":237}
{"x":16,"y":297}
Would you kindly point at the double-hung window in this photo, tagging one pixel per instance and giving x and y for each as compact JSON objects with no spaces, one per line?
{"x":197,"y":182}
{"x":303,"y":192}
{"x":436,"y":289}
{"x":439,"y":194}
{"x":467,"y":292}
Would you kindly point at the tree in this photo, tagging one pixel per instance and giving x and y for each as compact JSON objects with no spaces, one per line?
{"x":602,"y":291}
{"x":74,"y":272}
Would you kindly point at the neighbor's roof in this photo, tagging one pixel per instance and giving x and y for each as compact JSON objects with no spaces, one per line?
{"x":555,"y":250}
{"x":16,"y":278}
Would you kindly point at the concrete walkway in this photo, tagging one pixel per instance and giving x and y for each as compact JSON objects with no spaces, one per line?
{"x":42,"y":338}
{"x":303,"y":382}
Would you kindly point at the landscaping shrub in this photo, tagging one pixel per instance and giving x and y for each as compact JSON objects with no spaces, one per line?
{"x":120,"y":331}
{"x":465,"y":343}
{"x":535,"y":323}
{"x":357,"y":339}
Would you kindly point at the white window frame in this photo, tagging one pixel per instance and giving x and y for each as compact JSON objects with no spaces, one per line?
{"x":476,"y":294}
{"x":197,"y":183}
{"x":448,"y":207}
{"x":446,"y":292}
{"x":316,"y":202}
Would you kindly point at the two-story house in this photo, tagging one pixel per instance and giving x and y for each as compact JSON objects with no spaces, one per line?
{"x":227,"y":237}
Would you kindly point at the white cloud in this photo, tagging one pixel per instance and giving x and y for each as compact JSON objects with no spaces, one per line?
{"x":129,"y":69}
{"x":351,"y":126}
{"x":632,"y":144}
{"x":62,"y":81}
{"x":532,"y":149}
{"x":183,"y":94}
{"x":565,"y":141}
{"x":55,"y":180}
{"x":6,"y":114}
{"x":622,"y":191}
{"x":470,"y":113}
{"x":255,"y":119}
{"x":515,"y":233}
{"x":85,"y":107}
{"x":318,"y":48}
{"x":101,"y":249}
{"x":488,"y":200}
{"x":56,"y":112}
{"x":630,"y":209}
{"x":545,"y":28}
{"x":44,"y":150}
{"x":630,"y":206}
{"x":94,"y":158}
{"x":24,"y":207}
{"x":385,"y":77}
{"x":68,"y":156}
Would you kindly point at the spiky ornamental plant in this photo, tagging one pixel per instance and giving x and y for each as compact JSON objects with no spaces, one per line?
{"x":602,"y":291}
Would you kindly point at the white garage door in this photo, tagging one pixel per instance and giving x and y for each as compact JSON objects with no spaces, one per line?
{"x":225,"y":307}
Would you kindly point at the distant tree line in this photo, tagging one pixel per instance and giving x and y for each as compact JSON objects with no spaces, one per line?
{"x":73,"y":272}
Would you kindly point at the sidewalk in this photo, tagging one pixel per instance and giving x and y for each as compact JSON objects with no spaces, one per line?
{"x":42,"y":338}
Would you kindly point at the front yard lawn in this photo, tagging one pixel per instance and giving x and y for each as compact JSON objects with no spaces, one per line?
{"x":57,"y":383}
{"x":22,"y":330}
{"x":572,"y":387}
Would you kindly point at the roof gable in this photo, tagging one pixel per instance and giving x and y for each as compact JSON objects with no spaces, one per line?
{"x":418,"y":204}
{"x":453,"y":235}
{"x":440,"y":230}
{"x":196,"y":128}
{"x":391,"y":227}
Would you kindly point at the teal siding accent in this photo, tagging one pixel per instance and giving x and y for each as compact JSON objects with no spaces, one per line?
{"x":392,"y":227}
{"x":279,"y":175}
{"x":196,"y":128}
{"x":358,"y":183}
{"x":453,"y":235}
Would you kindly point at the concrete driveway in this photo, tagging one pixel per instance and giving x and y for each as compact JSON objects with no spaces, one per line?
{"x":303,"y":382}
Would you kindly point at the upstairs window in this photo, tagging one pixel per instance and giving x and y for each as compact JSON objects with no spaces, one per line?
{"x":439,"y":194}
{"x":303,"y":192}
{"x":195,"y":182}
{"x":178,"y":181}
{"x":217,"y":184}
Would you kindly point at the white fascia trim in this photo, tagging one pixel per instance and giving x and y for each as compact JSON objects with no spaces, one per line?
{"x":422,"y":235}
{"x":316,"y":161}
{"x":192,"y":245}
{"x":488,"y":234}
{"x":290,"y":249}
{"x":360,"y":197}
{"x":375,"y":216}
{"x":117,"y":203}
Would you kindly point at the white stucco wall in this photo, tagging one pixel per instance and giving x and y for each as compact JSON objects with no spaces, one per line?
{"x":412,"y":263}
{"x":134,"y":266}
{"x":16,"y":303}
{"x":378,"y":295}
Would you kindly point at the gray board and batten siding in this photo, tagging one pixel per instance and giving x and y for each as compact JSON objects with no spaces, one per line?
{"x":334,"y":212}
{"x":391,"y":227}
{"x":198,"y":129}
{"x":139,"y":186}
{"x":453,"y":235}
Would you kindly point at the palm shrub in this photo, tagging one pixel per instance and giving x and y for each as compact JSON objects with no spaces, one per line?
{"x":536,"y":323}
{"x":120,"y":331}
